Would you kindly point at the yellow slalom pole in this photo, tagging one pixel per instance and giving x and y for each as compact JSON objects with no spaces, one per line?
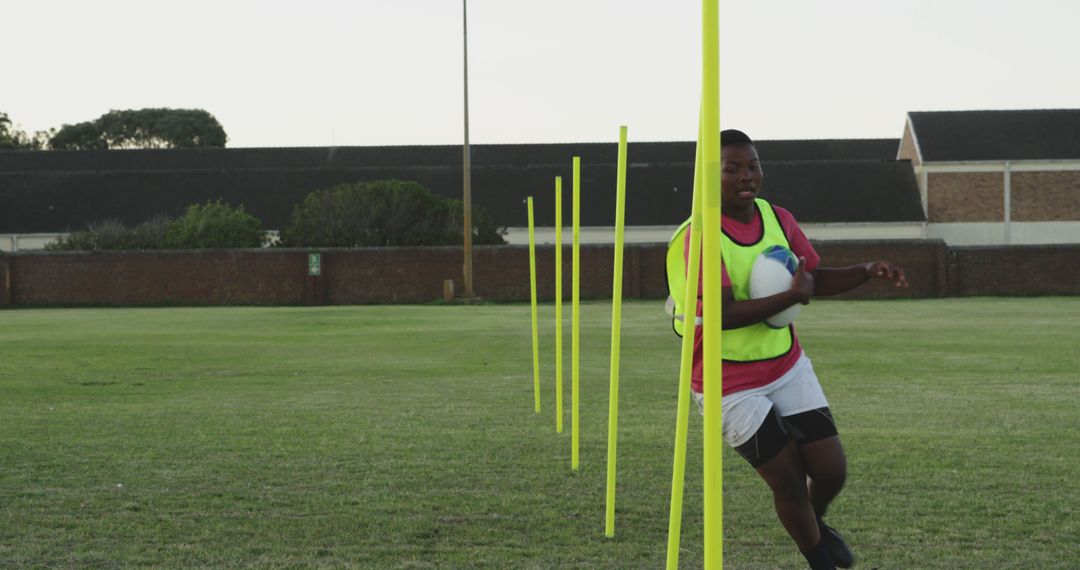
{"x":713,"y":312}
{"x":576,"y":319}
{"x":558,"y":304}
{"x":616,"y":323}
{"x":678,"y":472}
{"x":532,"y":287}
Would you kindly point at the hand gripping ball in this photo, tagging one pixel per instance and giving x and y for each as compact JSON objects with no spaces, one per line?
{"x":772,"y":273}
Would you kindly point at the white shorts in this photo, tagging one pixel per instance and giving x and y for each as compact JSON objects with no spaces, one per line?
{"x":795,"y":392}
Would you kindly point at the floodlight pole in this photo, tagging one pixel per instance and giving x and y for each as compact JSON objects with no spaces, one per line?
{"x":466,"y":166}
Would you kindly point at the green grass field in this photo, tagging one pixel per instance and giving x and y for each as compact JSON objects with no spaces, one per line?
{"x":405,"y":437}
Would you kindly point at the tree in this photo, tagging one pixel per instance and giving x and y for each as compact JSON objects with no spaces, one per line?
{"x":143,"y":128}
{"x":383,"y":213}
{"x":12,"y":138}
{"x":80,"y":136}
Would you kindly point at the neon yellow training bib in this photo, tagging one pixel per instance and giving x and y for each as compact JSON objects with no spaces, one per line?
{"x":747,"y":344}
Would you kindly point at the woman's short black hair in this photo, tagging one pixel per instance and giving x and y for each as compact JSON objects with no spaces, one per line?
{"x":732,"y":136}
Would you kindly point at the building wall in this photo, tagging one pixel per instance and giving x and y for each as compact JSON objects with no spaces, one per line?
{"x":1038,"y":233}
{"x":965,"y":197}
{"x":1015,"y":233}
{"x":1046,"y":196}
{"x":416,"y":275}
{"x":908,"y":151}
{"x":661,"y":234}
{"x":968,"y":234}
{"x":11,"y":243}
{"x":967,"y":201}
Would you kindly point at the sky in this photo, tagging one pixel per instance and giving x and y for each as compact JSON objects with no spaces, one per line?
{"x":389,"y":72}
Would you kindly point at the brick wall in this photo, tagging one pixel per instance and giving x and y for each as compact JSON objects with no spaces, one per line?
{"x":5,"y":281}
{"x":1046,"y":196}
{"x":1017,"y":270}
{"x":390,"y":275}
{"x":965,"y":197}
{"x":925,"y":264}
{"x":231,"y":277}
{"x":415,"y":275}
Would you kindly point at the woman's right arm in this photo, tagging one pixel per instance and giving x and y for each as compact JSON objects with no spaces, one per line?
{"x":738,"y":314}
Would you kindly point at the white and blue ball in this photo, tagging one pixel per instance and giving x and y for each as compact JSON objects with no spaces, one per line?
{"x":772,"y":273}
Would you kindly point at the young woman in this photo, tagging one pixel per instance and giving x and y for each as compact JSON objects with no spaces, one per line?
{"x":774,"y":411}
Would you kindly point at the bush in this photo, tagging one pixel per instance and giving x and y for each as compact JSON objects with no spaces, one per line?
{"x":112,"y":235}
{"x":214,"y":225}
{"x":150,"y":234}
{"x":82,"y":240}
{"x":383,"y":213}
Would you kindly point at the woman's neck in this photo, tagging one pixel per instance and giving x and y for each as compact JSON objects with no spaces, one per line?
{"x":743,"y":215}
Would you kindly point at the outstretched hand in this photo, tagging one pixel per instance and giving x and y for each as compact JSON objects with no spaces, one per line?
{"x":886,"y":270}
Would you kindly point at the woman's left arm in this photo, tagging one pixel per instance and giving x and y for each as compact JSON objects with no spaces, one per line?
{"x":835,"y":280}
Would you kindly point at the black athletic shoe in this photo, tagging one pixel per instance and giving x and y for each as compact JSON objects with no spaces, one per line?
{"x":838,"y":549}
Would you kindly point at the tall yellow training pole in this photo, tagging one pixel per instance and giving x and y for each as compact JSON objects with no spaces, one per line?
{"x":616,"y":323}
{"x":576,"y":318}
{"x":532,"y":289}
{"x":678,"y":472}
{"x":558,"y":304}
{"x":712,"y":312}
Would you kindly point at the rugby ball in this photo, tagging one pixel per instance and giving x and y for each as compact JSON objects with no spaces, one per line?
{"x":772,"y":273}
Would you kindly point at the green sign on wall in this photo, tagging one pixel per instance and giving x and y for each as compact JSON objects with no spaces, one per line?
{"x":314,"y":264}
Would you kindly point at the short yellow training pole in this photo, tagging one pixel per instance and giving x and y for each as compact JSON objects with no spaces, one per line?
{"x":713,"y":313}
{"x":558,"y":304}
{"x":686,"y":365}
{"x":575,"y":335}
{"x":616,"y":324}
{"x":532,"y":288}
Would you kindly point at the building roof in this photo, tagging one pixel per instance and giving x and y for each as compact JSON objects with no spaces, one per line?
{"x":353,"y":157}
{"x":1038,"y":134}
{"x":839,"y":191}
{"x":828,"y":149}
{"x":54,"y":191}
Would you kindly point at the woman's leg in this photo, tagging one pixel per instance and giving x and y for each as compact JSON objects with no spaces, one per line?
{"x":786,"y":477}
{"x":826,"y":468}
{"x":776,"y":457}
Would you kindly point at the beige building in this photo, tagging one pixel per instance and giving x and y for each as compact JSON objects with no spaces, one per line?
{"x":997,"y":177}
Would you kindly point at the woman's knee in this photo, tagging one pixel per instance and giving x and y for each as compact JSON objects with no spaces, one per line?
{"x":785,"y":475}
{"x":825,"y":461}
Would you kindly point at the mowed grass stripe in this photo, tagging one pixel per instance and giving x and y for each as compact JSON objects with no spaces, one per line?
{"x":404,"y":437}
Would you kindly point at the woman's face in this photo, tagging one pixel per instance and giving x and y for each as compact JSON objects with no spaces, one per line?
{"x":741,"y":177}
